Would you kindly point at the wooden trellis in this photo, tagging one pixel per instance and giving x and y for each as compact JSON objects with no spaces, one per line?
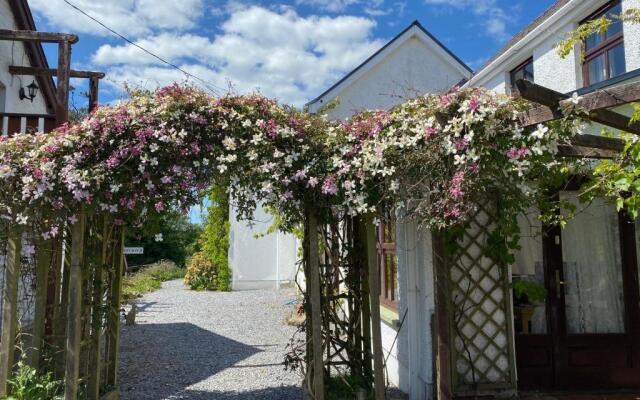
{"x":482,"y":355}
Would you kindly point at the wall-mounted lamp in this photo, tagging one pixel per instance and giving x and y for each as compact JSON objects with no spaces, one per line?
{"x":30,"y":93}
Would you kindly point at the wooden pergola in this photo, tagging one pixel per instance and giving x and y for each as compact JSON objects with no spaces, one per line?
{"x":548,"y":107}
{"x":48,"y":279}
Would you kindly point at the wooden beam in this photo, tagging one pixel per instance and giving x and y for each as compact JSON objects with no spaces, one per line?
{"x":36,"y":36}
{"x":37,"y":71}
{"x":550,"y":100}
{"x":94,"y":83}
{"x":43,"y":264}
{"x":598,"y":142}
{"x":113,"y":322}
{"x":609,"y":97}
{"x":316,"y":305}
{"x":74,"y":315}
{"x":442,"y":314}
{"x":373,"y":276}
{"x":586,"y":152}
{"x":10,"y":307}
{"x":62,"y":94}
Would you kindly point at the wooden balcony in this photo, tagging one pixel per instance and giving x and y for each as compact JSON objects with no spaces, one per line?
{"x":13,"y":123}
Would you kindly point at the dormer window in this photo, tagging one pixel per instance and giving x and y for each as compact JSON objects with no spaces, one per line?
{"x":522,"y":71}
{"x":604,"y":52}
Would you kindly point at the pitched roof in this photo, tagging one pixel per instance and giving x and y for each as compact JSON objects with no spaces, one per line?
{"x":24,"y":21}
{"x":527,"y":29}
{"x":416,"y":24}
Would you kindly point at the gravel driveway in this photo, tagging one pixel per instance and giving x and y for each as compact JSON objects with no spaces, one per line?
{"x":208,"y":345}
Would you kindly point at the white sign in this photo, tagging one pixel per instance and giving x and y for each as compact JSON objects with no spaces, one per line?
{"x":134,"y":250}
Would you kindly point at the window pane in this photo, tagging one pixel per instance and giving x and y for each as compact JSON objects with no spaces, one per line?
{"x":593,"y":41}
{"x":530,"y":316}
{"x":528,"y":71}
{"x":597,"y":71}
{"x":614,"y":15}
{"x":592,"y":260}
{"x":616,"y":61}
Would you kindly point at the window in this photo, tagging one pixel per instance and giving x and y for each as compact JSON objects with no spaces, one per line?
{"x":388,"y":264}
{"x":604,"y":52}
{"x":522,"y":71}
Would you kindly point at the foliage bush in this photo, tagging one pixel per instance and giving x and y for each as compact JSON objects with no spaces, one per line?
{"x":179,"y":238}
{"x":215,"y":235}
{"x":28,"y":384}
{"x":149,"y":279}
{"x":201,"y":273}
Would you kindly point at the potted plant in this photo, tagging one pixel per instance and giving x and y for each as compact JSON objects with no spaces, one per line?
{"x":527,"y":295}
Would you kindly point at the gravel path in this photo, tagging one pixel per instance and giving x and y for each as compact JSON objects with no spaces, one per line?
{"x":208,"y":345}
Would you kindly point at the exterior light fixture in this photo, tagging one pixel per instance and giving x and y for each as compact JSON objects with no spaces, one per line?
{"x":31,"y":92}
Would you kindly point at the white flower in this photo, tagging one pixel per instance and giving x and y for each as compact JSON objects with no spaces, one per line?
{"x":394,"y":186}
{"x":575,"y":99}
{"x":222,"y":167}
{"x":158,"y":237}
{"x":459,"y":159}
{"x":154,"y":161}
{"x":540,"y":131}
{"x":205,"y":161}
{"x":154,"y":147}
{"x":229,"y":143}
{"x":22,"y":219}
{"x":116,"y":187}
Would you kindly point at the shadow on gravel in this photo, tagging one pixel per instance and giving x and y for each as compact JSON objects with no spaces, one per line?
{"x":280,"y":393}
{"x":161,"y":360}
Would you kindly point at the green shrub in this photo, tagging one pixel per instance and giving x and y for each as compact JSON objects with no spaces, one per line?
{"x":28,"y":384}
{"x":215,"y":235}
{"x":149,"y":279}
{"x":201,"y":273}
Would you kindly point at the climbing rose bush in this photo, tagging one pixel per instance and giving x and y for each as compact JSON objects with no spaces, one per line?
{"x":440,"y":156}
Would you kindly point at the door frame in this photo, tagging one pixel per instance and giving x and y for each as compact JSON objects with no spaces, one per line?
{"x":554,"y":352}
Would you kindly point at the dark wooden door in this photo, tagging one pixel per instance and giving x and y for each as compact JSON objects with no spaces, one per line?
{"x":593,"y":312}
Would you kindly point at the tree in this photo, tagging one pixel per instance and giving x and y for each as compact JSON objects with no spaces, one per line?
{"x":165,"y":236}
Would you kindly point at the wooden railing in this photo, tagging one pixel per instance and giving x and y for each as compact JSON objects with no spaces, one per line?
{"x":23,"y":123}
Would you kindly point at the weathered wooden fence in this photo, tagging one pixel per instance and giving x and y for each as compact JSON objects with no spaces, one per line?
{"x":61,"y":302}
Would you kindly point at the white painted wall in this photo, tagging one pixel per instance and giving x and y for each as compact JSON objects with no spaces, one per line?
{"x":410,"y":70}
{"x":12,"y":53}
{"x":552,"y":71}
{"x":266,"y":262}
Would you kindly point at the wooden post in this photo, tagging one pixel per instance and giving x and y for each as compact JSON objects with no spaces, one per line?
{"x":74,"y":315}
{"x":360,"y":245}
{"x":114,"y":311}
{"x":10,"y":307}
{"x":93,"y":93}
{"x":316,"y":304}
{"x":43,"y":263}
{"x":62,"y":94}
{"x":442,"y":337}
{"x":61,"y":313}
{"x":374,"y":301}
{"x":97,"y":316}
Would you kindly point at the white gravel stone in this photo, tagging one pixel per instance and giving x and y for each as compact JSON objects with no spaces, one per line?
{"x":208,"y":345}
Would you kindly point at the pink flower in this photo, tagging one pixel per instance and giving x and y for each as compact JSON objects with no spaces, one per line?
{"x":429,"y":132}
{"x":515,"y":152}
{"x":118,"y":222}
{"x":159,"y":206}
{"x":300,"y":175}
{"x":329,"y":185}
{"x":312,"y":182}
{"x":474,"y":104}
{"x":461,"y":144}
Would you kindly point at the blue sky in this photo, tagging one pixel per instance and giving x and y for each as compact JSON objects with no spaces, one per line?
{"x":291,"y":50}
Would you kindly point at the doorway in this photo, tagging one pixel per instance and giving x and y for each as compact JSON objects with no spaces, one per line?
{"x":586,"y":334}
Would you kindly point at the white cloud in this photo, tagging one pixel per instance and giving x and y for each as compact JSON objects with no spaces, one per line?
{"x":131,"y":17}
{"x":372,"y":7}
{"x":495,"y":18}
{"x":282,"y":54}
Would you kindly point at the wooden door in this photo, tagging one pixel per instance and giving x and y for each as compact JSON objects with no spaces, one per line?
{"x":592,"y":307}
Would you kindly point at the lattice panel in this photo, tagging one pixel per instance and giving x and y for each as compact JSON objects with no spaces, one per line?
{"x":481,"y":320}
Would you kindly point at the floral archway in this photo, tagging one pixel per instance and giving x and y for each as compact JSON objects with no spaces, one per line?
{"x":436,"y":159}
